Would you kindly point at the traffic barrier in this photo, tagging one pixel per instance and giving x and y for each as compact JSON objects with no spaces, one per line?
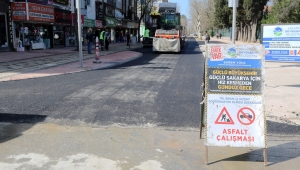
{"x":97,"y":52}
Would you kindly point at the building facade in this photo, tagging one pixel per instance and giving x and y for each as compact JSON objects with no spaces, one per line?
{"x":5,"y":34}
{"x":40,"y":24}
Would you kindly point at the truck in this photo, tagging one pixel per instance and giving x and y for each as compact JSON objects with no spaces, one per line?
{"x":165,"y":29}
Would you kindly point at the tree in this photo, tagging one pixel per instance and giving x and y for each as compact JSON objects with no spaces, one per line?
{"x":190,"y":28}
{"x":144,"y":7}
{"x":184,"y":23}
{"x":210,"y":14}
{"x":253,"y":13}
{"x":248,"y":17}
{"x":223,"y":14}
{"x":197,"y":12}
{"x":284,"y":11}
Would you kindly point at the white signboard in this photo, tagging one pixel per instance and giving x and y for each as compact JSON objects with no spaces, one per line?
{"x":282,"y":42}
{"x":234,"y":101}
{"x":235,"y":120}
{"x":230,"y":3}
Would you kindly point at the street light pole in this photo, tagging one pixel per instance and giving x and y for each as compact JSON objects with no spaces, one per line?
{"x":79,"y":31}
{"x":233,"y":20}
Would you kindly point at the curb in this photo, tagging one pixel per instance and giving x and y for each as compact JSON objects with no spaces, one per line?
{"x":11,"y":78}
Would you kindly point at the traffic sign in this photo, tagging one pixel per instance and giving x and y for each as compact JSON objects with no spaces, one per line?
{"x":224,"y":117}
{"x":246,"y":116}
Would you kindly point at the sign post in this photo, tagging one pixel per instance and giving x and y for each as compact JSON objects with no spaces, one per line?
{"x":234,"y":80}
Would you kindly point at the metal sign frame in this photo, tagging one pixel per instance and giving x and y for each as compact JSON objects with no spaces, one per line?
{"x":238,"y":67}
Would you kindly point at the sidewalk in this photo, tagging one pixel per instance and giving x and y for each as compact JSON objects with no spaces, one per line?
{"x":282,"y":88}
{"x":49,"y":62}
{"x":12,"y":56}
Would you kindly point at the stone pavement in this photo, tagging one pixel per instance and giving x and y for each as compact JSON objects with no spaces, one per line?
{"x":40,"y":63}
{"x":282,"y":88}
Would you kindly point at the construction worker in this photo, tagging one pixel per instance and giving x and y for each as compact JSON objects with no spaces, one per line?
{"x":146,"y":35}
{"x":102,"y":38}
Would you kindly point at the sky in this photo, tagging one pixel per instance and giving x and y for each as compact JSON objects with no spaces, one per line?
{"x":183,"y":6}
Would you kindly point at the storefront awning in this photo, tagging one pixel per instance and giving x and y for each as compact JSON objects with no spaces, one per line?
{"x":89,"y":22}
{"x":110,"y":22}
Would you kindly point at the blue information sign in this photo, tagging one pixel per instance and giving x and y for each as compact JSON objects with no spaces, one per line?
{"x":235,"y":56}
{"x":282,"y":42}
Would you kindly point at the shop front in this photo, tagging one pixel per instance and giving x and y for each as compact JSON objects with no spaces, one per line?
{"x":129,"y":27}
{"x":123,"y":29}
{"x":4,"y":38}
{"x":134,"y":26}
{"x":33,"y":25}
{"x":110,"y":24}
{"x":118,"y":29}
{"x":98,"y":24}
{"x":63,"y":32}
{"x":109,"y":18}
{"x":119,"y":17}
{"x":88,"y":23}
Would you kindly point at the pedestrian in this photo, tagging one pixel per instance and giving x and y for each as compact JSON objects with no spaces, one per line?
{"x":107,"y":39}
{"x":220,"y":35}
{"x":207,"y":37}
{"x":128,"y":38}
{"x":89,"y":37}
{"x":102,"y":38}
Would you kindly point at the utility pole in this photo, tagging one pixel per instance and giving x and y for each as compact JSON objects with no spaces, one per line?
{"x":79,"y":31}
{"x":233,"y":20}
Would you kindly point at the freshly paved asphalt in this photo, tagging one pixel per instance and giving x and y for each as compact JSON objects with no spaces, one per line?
{"x":140,"y":89}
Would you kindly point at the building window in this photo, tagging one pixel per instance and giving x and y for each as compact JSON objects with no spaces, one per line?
{"x":110,"y":11}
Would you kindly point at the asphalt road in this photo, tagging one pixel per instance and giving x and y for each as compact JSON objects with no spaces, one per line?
{"x":155,"y":90}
